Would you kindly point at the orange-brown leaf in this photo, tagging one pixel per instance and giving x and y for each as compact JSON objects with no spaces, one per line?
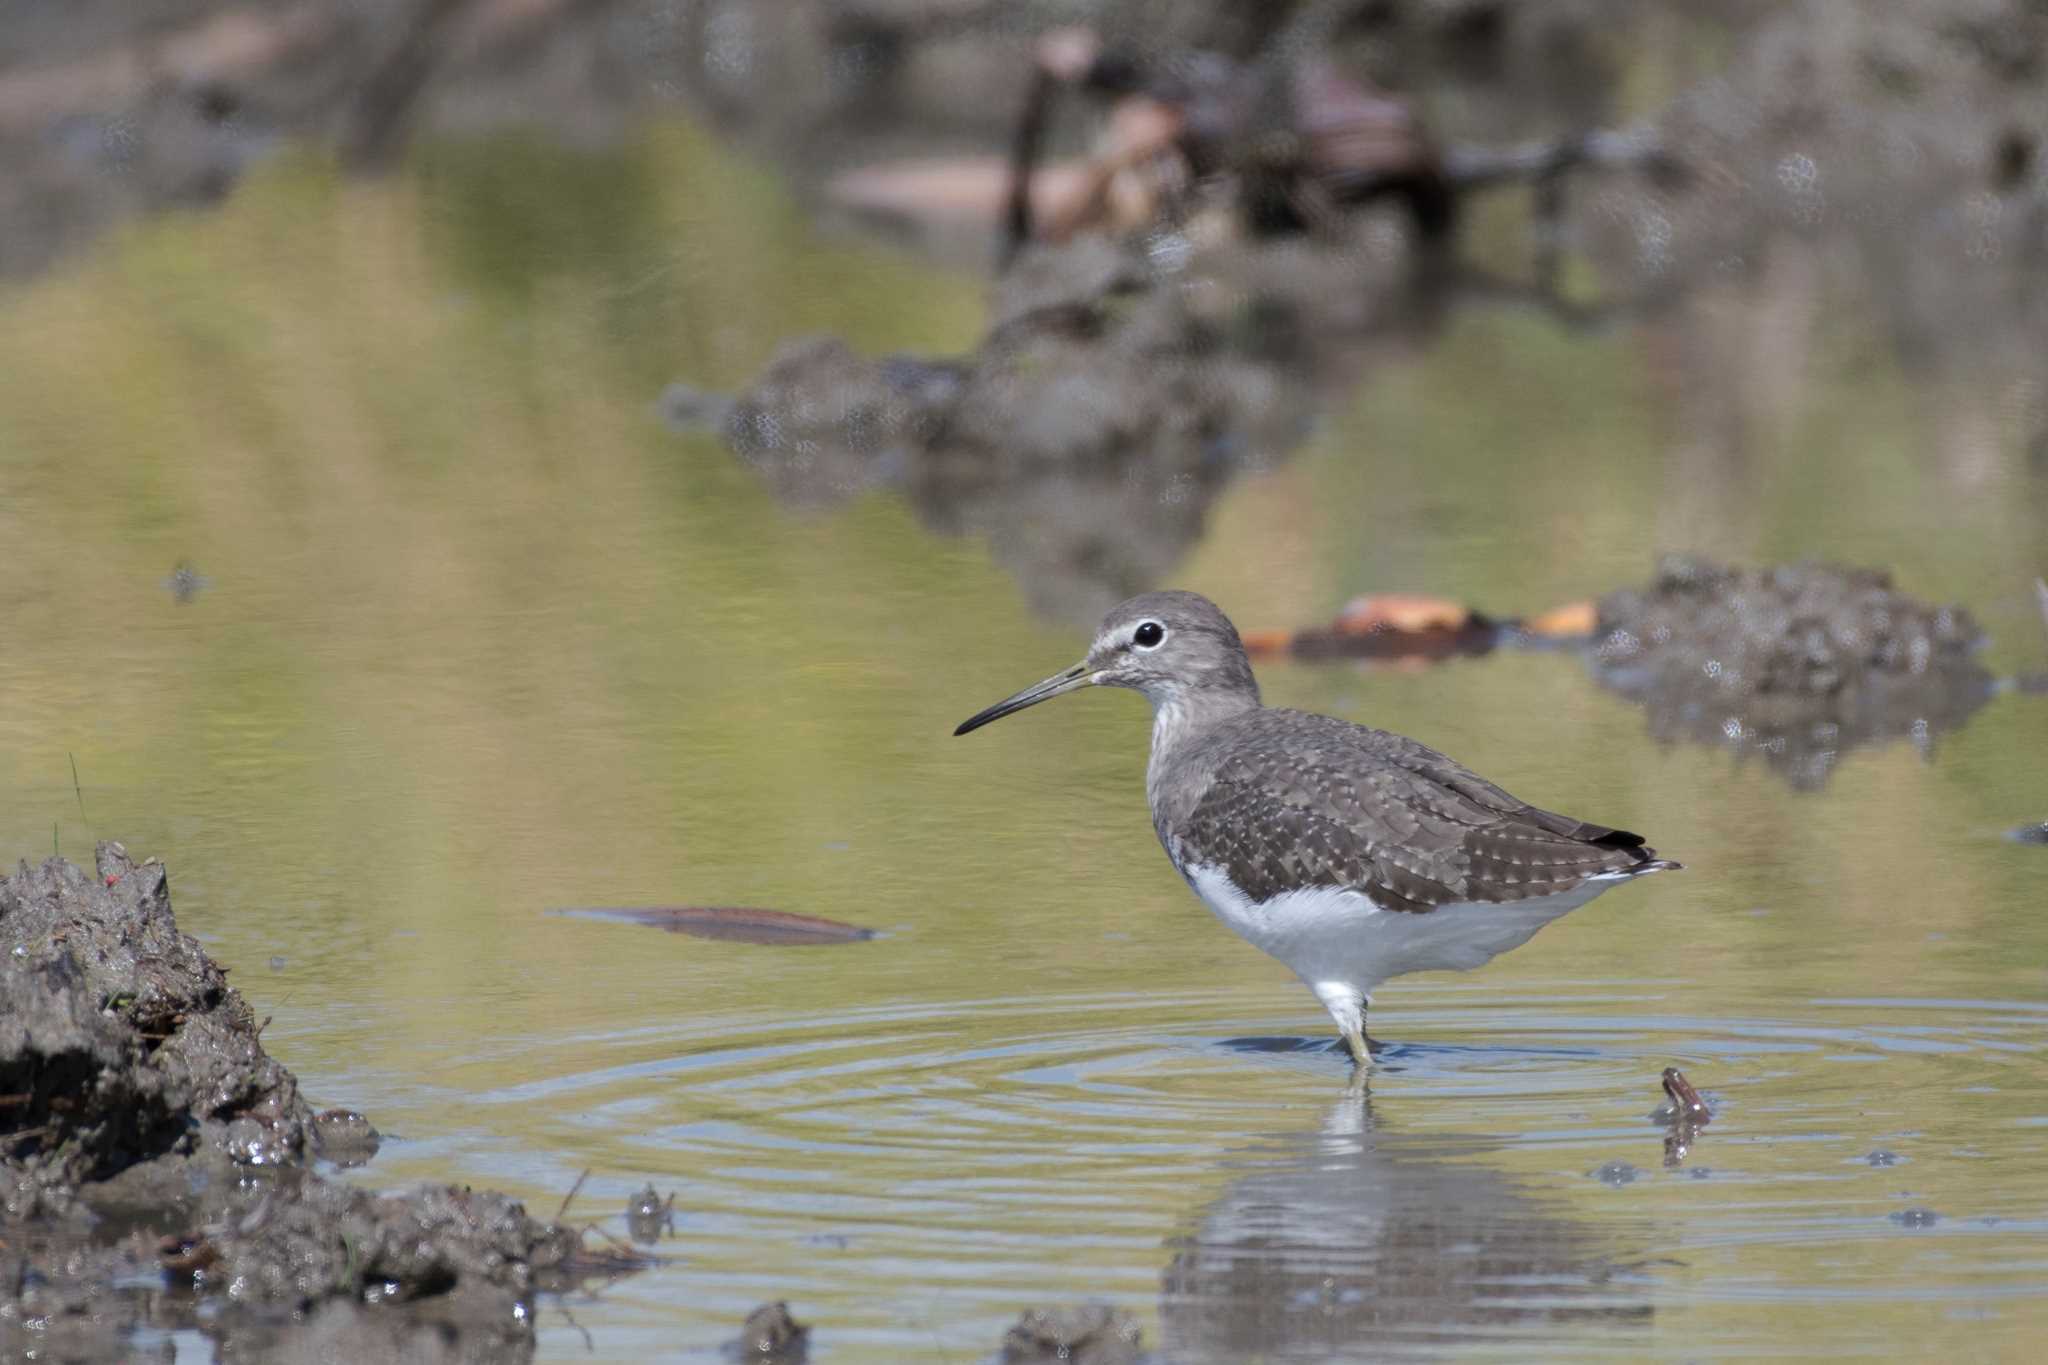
{"x":1569,"y":621}
{"x":1401,"y":611}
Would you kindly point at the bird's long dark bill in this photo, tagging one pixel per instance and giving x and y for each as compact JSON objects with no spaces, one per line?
{"x":1064,"y":681}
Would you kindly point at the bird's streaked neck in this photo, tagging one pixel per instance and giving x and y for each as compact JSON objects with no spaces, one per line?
{"x":1179,"y":713}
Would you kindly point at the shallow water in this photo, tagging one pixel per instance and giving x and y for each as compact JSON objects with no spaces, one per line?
{"x":480,"y":637}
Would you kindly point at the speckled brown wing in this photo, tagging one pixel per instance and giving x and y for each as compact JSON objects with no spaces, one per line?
{"x":1303,"y":800}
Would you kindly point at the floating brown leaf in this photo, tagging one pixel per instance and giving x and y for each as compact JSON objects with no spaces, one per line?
{"x":1409,"y":612}
{"x":1411,"y":628}
{"x":1573,"y":620}
{"x":1401,"y":628}
{"x":734,"y":923}
{"x":1261,"y":643}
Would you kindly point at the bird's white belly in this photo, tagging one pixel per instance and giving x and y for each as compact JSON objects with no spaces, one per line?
{"x":1338,"y":936}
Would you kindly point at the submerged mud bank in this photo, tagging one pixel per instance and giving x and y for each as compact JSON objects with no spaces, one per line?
{"x":157,"y":1165}
{"x":1797,"y":663}
{"x":1113,"y":397}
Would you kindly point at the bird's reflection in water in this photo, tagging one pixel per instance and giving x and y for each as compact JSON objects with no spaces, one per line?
{"x":1353,"y":1243}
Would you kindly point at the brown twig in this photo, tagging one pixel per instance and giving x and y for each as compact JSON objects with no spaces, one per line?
{"x":24,"y":1134}
{"x":1025,"y":145}
{"x":623,"y":1248}
{"x":570,"y":1197}
{"x":588,"y":1345}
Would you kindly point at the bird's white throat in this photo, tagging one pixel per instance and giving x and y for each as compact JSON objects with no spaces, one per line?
{"x":1170,"y":725}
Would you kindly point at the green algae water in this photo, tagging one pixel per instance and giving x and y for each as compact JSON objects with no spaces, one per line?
{"x":476,"y":636}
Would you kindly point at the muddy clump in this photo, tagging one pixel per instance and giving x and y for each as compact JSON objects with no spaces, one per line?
{"x":149,"y":1143}
{"x":1086,"y":1333}
{"x":649,"y":1217}
{"x":1118,"y":390}
{"x":1797,"y":664}
{"x":771,"y":1334}
{"x":344,"y":1137}
{"x":1682,"y":1115}
{"x":121,"y":1042}
{"x":465,"y":1256}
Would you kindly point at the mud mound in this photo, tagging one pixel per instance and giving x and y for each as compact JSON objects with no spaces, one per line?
{"x":146,"y":1140}
{"x":1112,"y":398}
{"x":1086,"y":1334}
{"x":121,"y":1041}
{"x":1796,"y":663}
{"x":470,"y":1261}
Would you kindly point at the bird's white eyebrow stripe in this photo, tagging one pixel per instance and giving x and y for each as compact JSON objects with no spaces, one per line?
{"x":1124,"y":635}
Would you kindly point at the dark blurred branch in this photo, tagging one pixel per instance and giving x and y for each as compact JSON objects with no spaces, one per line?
{"x":1025,"y":145}
{"x":377,"y":119}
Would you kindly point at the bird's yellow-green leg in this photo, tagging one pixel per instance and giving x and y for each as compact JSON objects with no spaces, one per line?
{"x":1346,"y":1004}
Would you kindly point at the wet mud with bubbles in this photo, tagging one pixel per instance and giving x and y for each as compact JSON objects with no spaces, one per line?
{"x":157,"y":1165}
{"x":1797,"y":664}
{"x":1086,"y":1334}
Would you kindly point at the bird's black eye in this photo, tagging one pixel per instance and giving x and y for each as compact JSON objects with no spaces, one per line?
{"x":1148,"y":635}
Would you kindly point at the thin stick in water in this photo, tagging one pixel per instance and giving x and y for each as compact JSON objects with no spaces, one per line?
{"x":570,"y":1197}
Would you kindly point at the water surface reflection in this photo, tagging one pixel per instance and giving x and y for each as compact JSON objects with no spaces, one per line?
{"x":1351,"y":1240}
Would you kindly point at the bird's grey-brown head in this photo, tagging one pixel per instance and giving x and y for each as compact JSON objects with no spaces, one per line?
{"x":1177,"y":648}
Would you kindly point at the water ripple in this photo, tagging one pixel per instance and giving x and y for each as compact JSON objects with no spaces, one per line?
{"x":1183,"y":1156}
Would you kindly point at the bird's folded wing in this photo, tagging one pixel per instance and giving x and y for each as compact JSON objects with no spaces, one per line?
{"x":1394,"y":819}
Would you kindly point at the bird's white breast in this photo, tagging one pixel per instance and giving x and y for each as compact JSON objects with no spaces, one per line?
{"x":1330,"y":934}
